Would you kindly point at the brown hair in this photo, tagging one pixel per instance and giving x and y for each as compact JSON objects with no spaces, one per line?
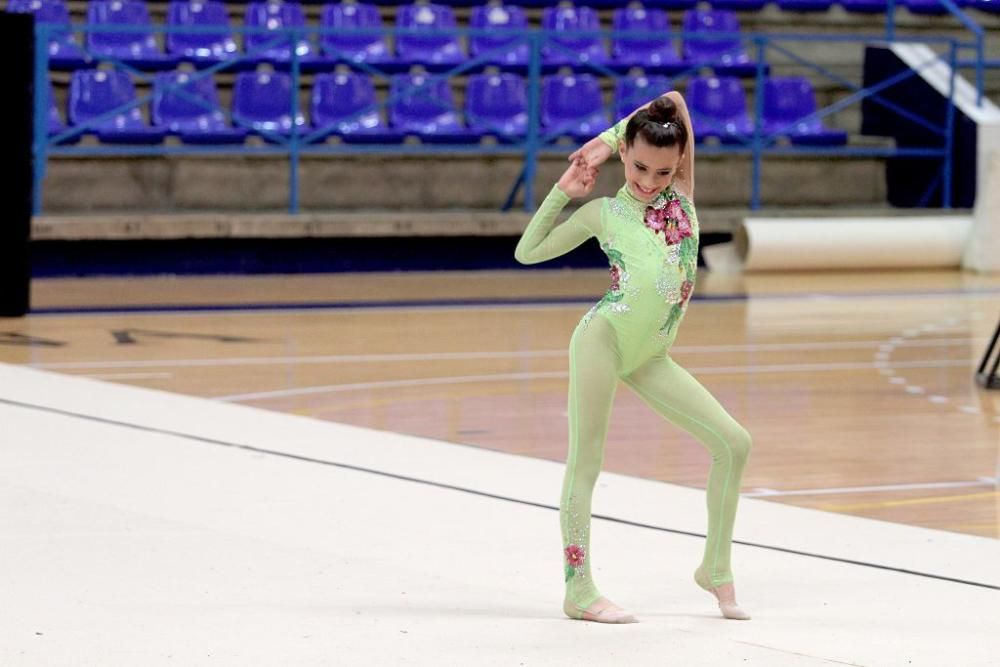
{"x":659,"y":124}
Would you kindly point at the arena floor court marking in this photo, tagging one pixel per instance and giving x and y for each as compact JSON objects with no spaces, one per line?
{"x":240,"y":554}
{"x":378,"y":358}
{"x":835,"y":386}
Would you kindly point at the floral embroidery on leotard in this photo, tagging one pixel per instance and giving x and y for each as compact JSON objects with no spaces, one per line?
{"x":666,"y":214}
{"x":574,"y":553}
{"x":574,"y":559}
{"x":678,"y":308}
{"x":614,"y":297}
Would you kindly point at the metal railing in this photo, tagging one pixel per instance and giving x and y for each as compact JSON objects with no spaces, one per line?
{"x":305,"y":140}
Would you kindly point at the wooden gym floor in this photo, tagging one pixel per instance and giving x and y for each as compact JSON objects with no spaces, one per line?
{"x":858,"y":388}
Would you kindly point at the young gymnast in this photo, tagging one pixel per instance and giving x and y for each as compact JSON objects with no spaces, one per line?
{"x":649,"y":231}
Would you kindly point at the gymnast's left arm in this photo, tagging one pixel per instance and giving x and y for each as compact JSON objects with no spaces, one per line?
{"x":543,"y":240}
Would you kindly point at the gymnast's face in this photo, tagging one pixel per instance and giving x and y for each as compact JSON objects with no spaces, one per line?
{"x":649,"y":169}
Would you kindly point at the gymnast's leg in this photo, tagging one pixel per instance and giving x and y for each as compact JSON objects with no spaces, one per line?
{"x":594,"y":364}
{"x":680,"y":398}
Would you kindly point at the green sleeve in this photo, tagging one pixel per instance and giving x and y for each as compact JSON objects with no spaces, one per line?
{"x":614,"y":134}
{"x":542,"y":240}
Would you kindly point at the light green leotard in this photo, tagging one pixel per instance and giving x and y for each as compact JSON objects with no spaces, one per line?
{"x":627,"y":335}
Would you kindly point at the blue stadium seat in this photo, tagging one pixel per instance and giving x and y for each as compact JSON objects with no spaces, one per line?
{"x":538,"y":3}
{"x":180,"y":113}
{"x":93,"y":93}
{"x":788,"y":99}
{"x":727,"y":57}
{"x":459,"y":3}
{"x":653,"y":54}
{"x":55,"y":124}
{"x":672,"y":4}
{"x":562,"y":48}
{"x":64,"y":52}
{"x":924,"y":7}
{"x":337,"y":47}
{"x":201,"y":48}
{"x":992,"y":6}
{"x":739,"y":5}
{"x":499,"y":18}
{"x":434,"y":52}
{"x":864,"y":6}
{"x":262,"y":102}
{"x":632,"y":92}
{"x":805,"y":5}
{"x":572,"y":106}
{"x":278,"y":16}
{"x":138,"y":49}
{"x":718,"y":109}
{"x":497,"y":105}
{"x":607,"y":4}
{"x":425,"y":108}
{"x":344,"y":104}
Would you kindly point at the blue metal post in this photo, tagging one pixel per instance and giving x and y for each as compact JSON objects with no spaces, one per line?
{"x":41,"y":114}
{"x":534,"y":86}
{"x":979,"y":69}
{"x":890,"y":20}
{"x":293,"y":157}
{"x":758,"y":114}
{"x":949,"y":129}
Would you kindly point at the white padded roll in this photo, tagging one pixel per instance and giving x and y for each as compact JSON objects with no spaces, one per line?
{"x":767,"y":244}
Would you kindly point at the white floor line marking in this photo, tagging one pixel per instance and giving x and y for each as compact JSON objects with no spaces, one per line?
{"x":912,"y":334}
{"x":982,"y":481}
{"x":387,"y":384}
{"x":496,"y":354}
{"x":128,"y":376}
{"x":461,"y":379}
{"x":320,"y":359}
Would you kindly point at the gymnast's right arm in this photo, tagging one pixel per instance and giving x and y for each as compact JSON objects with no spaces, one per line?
{"x":542,"y":240}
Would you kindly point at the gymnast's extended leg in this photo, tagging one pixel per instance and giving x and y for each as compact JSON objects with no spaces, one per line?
{"x":680,"y":398}
{"x":594,"y":364}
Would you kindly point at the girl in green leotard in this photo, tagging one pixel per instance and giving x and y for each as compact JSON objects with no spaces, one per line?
{"x":649,"y":231}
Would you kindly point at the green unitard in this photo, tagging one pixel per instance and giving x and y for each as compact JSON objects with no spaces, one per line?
{"x":627,"y":335}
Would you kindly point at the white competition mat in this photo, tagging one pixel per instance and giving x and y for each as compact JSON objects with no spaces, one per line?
{"x":139,"y":527}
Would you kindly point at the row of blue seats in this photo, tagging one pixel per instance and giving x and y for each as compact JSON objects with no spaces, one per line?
{"x":857,"y":6}
{"x":436,"y":52}
{"x":344,"y":104}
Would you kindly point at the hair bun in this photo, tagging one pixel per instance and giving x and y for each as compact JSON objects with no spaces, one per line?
{"x":662,"y":110}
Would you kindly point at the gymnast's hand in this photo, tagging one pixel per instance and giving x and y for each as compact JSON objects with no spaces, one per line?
{"x":578,"y":180}
{"x":594,"y":153}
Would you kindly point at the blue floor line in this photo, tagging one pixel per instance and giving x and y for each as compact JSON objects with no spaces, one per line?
{"x":434,"y":303}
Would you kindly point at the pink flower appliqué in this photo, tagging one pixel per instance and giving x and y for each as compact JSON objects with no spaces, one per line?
{"x":575,"y":555}
{"x":616,"y":274}
{"x":686,"y":287}
{"x":672,"y":235}
{"x":669,"y":218}
{"x":675,"y":210}
{"x":656,"y":219}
